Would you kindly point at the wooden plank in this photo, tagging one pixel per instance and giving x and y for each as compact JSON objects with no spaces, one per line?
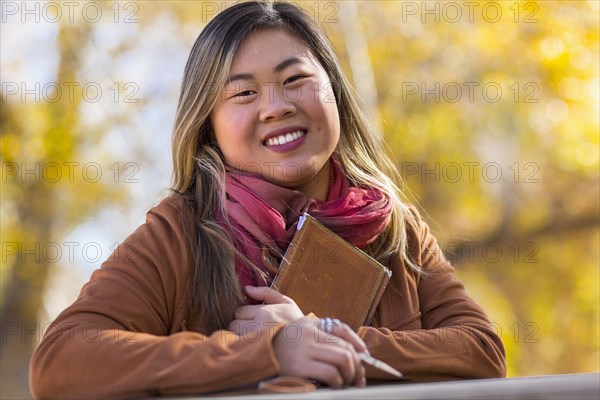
{"x":558,"y":387}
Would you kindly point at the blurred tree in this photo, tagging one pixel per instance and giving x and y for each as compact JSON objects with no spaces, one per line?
{"x":494,"y":121}
{"x":40,"y":141}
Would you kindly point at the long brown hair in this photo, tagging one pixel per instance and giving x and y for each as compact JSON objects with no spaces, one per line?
{"x":198,"y":167}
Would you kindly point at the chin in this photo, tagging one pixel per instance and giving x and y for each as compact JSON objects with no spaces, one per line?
{"x":287,"y":183}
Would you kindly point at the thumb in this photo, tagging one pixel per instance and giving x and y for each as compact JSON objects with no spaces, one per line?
{"x":266,"y":294}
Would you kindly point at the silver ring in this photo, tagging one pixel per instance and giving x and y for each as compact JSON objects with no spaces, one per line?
{"x":328,"y":324}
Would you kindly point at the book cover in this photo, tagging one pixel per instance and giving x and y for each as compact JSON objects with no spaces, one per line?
{"x":326,"y":275}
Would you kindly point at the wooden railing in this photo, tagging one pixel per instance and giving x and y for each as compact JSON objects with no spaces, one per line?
{"x":571,"y":387}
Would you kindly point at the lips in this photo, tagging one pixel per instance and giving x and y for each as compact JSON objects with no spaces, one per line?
{"x":280,"y":136}
{"x":284,"y":142}
{"x":285,"y":138}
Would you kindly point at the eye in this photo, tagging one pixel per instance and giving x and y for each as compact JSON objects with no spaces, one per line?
{"x":245,"y":93}
{"x":244,"y":96}
{"x":294,"y":78}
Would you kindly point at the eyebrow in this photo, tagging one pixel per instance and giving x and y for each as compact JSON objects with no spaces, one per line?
{"x":278,"y":68}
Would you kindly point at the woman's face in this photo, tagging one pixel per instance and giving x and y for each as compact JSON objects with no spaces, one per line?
{"x":277,"y":114}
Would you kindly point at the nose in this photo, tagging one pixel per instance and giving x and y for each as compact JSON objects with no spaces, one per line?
{"x":275,"y":104}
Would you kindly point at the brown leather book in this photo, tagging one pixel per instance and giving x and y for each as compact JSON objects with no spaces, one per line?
{"x":330,"y":277}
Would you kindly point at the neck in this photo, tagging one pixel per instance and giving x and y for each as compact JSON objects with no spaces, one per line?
{"x":318,"y":186}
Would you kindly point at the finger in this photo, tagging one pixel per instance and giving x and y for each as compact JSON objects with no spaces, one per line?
{"x":325,"y":373}
{"x":266,"y":294}
{"x":247,"y":312}
{"x":358,"y":368}
{"x":343,"y":331}
{"x":361,"y":377}
{"x":343,"y":358}
{"x":242,"y":327}
{"x":234,"y":326}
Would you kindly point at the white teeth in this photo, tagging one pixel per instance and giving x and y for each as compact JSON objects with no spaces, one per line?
{"x":283,"y":139}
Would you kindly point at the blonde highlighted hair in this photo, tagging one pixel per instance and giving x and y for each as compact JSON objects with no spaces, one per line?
{"x":198,"y":167}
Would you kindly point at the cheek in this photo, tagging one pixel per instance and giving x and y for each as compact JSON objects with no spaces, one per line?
{"x":330,"y":109}
{"x":332,"y":116}
{"x":322,"y":105}
{"x":228,"y":128}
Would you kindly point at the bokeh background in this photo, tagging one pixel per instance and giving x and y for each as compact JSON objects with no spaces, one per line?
{"x":491,"y":110}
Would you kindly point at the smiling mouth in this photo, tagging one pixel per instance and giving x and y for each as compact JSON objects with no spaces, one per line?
{"x":283,"y":139}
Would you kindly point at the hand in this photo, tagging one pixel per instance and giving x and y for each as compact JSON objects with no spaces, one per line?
{"x":343,"y":331}
{"x":278,"y":309}
{"x":304,"y":350}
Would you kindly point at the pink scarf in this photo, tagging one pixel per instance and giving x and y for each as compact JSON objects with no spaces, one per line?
{"x":265,"y":214}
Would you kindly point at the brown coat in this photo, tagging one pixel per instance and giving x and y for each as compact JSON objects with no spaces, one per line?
{"x":127,"y":334}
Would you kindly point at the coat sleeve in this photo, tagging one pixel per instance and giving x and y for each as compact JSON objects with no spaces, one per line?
{"x":118,"y":338}
{"x":450,"y":337}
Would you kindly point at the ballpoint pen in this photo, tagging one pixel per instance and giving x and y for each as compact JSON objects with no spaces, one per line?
{"x":328,"y":325}
{"x":379,"y":365}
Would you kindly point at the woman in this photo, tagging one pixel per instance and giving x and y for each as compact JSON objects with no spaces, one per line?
{"x":267,"y":127}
